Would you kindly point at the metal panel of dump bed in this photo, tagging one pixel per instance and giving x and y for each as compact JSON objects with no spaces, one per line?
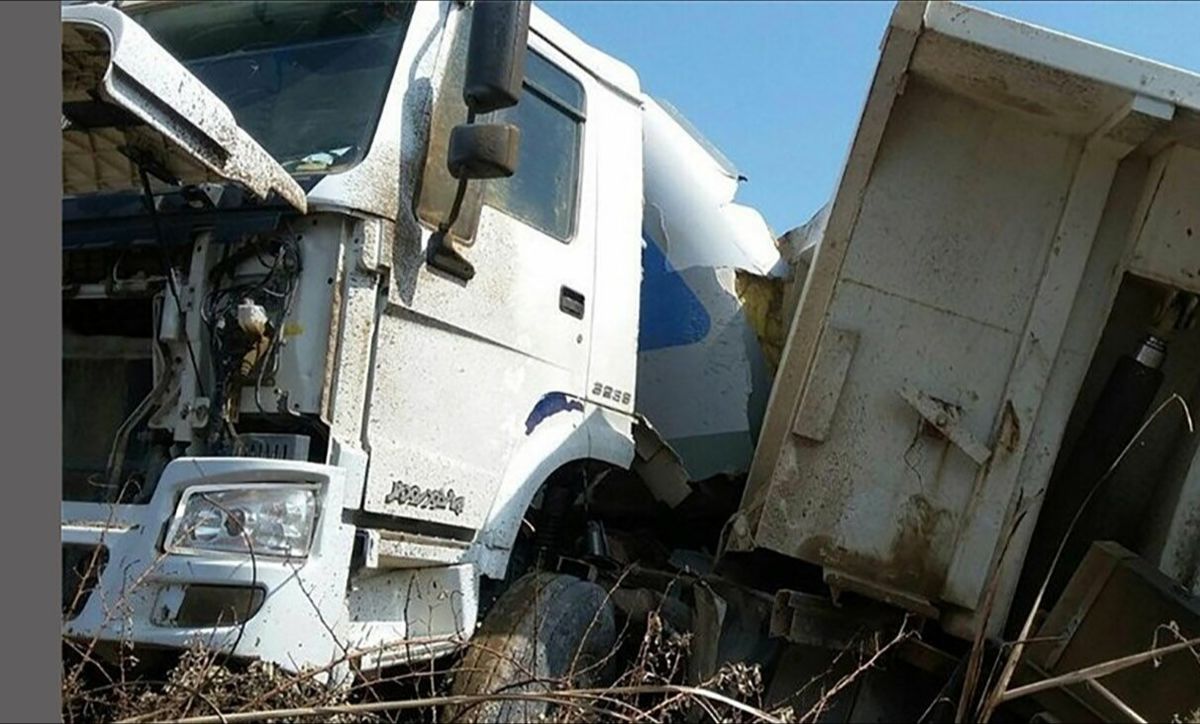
{"x":1001,"y":180}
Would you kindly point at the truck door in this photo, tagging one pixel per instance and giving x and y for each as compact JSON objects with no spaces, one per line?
{"x":461,"y":363}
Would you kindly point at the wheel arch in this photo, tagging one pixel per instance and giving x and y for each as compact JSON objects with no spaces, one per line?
{"x":582,"y":434}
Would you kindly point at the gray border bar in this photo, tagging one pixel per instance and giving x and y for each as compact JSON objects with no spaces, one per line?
{"x":30,"y":61}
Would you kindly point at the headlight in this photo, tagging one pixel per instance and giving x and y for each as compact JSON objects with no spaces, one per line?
{"x":263,"y":519}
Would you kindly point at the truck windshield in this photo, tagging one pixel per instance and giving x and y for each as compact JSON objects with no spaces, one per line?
{"x":307,"y":80}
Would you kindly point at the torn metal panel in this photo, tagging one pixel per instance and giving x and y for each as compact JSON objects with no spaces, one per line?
{"x":151,"y":112}
{"x":659,"y":466}
{"x":799,"y":248}
{"x":799,"y":244}
{"x":690,"y":208}
{"x":703,"y":367}
{"x":1116,"y":605}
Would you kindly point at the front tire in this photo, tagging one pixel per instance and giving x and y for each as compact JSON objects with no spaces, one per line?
{"x":547,"y":629}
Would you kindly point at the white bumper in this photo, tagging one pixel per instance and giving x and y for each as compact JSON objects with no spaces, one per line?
{"x":304,"y":620}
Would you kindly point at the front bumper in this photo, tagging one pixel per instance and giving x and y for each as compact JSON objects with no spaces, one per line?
{"x":139,"y":591}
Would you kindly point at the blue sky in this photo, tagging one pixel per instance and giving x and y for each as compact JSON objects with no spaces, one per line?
{"x":778,"y":86}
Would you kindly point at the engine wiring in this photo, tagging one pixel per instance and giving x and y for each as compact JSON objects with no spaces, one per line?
{"x":237,"y":356}
{"x":230,"y":347}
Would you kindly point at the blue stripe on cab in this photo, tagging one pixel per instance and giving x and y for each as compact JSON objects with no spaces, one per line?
{"x":672,"y":315}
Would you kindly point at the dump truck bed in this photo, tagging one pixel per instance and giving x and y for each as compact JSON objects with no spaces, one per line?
{"x":1001,"y":181}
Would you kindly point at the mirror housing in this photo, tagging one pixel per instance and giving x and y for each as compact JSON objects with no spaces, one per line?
{"x":496,"y":55}
{"x":483,"y":151}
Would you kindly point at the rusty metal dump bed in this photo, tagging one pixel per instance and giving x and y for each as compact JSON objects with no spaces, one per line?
{"x":1002,"y":180}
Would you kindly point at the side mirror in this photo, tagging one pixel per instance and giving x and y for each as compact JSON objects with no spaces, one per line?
{"x":483,"y":150}
{"x":492,"y":80}
{"x":496,"y":55}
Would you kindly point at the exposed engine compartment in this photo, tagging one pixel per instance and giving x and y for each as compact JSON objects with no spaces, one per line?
{"x":175,"y":349}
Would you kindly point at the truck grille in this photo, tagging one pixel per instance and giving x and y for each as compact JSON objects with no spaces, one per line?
{"x":275,"y":446}
{"x":81,"y":569}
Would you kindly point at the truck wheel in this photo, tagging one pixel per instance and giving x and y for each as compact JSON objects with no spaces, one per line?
{"x":546,"y":629}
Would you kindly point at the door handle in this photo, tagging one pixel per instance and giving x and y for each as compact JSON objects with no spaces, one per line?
{"x":571,"y":302}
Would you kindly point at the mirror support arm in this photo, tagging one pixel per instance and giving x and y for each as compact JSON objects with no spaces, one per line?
{"x":442,"y":255}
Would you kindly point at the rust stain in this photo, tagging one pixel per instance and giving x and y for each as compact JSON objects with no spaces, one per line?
{"x":949,"y":413}
{"x":911,"y":565}
{"x":1010,"y":428}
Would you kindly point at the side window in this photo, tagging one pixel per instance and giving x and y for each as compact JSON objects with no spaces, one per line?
{"x":545,"y":189}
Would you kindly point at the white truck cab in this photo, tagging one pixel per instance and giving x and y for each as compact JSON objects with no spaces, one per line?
{"x":377,"y":421}
{"x":337,"y":378}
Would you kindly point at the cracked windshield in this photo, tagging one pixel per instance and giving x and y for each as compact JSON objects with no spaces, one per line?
{"x":306,"y":80}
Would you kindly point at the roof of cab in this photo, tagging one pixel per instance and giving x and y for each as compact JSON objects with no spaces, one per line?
{"x":603,"y":67}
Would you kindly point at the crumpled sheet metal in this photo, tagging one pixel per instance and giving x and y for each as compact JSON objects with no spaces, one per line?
{"x":690,"y":208}
{"x":703,"y":371}
{"x":188,"y":130}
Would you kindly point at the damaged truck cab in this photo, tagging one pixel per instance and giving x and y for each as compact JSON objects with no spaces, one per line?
{"x":368,"y":308}
{"x":322,"y":346}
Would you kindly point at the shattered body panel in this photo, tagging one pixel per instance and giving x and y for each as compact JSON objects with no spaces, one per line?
{"x":180,"y":129}
{"x":703,"y":374}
